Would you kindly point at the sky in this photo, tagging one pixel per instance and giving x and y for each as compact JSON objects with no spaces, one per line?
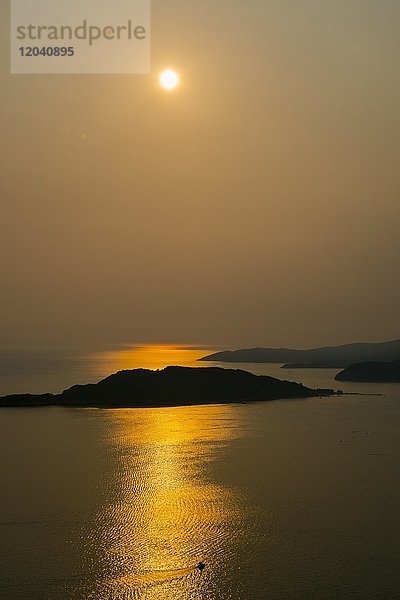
{"x":257,"y":205}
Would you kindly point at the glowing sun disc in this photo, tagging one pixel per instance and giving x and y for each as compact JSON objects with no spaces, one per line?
{"x":169,"y":79}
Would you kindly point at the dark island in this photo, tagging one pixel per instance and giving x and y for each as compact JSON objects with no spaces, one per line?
{"x":372,"y":372}
{"x":332,"y":357}
{"x":172,"y":386}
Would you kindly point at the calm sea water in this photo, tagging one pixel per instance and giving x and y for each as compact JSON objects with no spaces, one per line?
{"x":284,"y":500}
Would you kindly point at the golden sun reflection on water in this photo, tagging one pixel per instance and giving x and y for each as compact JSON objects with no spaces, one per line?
{"x":167,"y":512}
{"x":148,"y":357}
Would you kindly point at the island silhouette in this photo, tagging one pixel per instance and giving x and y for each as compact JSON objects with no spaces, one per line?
{"x":172,"y":386}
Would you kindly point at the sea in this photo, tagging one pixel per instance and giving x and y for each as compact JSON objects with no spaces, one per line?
{"x":283,"y":500}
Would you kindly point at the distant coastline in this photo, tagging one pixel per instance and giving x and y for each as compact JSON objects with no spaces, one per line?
{"x":172,"y":386}
{"x":332,"y":357}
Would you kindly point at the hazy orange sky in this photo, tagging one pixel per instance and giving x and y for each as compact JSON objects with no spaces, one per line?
{"x":256,"y":205}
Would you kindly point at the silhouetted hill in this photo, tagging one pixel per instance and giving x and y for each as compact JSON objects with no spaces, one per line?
{"x":372,"y":372}
{"x":329,"y":357}
{"x":172,"y":386}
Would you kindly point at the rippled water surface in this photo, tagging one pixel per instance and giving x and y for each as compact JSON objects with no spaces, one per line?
{"x":282,"y":500}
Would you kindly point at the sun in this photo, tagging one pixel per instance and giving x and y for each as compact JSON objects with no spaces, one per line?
{"x":169,"y":79}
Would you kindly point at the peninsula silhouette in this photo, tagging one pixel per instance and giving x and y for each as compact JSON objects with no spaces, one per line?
{"x":372,"y":372}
